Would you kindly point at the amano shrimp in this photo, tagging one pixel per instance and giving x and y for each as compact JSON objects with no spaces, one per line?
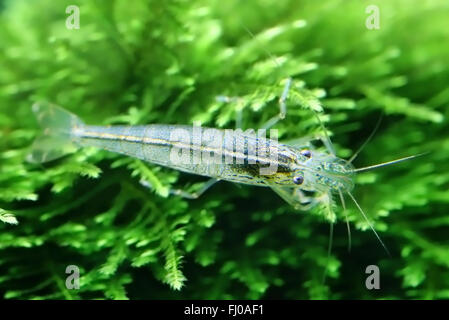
{"x":229,"y":155}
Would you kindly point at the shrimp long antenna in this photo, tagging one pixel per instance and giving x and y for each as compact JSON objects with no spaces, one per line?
{"x":369,"y":223}
{"x":268,"y":53}
{"x":343,"y":204}
{"x":383,"y":164}
{"x":367,"y":140}
{"x":329,"y":250}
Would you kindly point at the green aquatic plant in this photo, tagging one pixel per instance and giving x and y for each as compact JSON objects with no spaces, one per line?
{"x":167,"y":62}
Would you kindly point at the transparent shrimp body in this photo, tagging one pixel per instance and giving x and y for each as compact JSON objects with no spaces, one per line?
{"x":296,"y":169}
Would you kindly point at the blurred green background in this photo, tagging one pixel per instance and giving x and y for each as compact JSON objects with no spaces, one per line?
{"x":138,"y":62}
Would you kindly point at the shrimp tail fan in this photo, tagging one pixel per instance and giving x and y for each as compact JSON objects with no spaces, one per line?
{"x":56,"y":139}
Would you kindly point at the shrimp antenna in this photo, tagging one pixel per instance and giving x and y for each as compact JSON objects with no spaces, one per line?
{"x":369,"y":223}
{"x":268,"y":53}
{"x":383,"y":164}
{"x":329,"y":250}
{"x":367,"y":140}
{"x":342,"y":199}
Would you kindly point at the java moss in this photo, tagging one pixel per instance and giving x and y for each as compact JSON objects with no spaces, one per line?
{"x":149,"y":61}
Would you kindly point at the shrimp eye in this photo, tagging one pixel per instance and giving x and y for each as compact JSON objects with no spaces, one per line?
{"x":306,"y":153}
{"x":298,"y":180}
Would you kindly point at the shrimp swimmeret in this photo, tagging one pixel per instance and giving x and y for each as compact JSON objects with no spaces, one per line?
{"x":230,"y":155}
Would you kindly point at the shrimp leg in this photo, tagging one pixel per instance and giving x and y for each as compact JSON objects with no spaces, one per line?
{"x":295,"y":197}
{"x":197,"y":194}
{"x":282,"y":106}
{"x":271,"y":122}
{"x":186,"y":194}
